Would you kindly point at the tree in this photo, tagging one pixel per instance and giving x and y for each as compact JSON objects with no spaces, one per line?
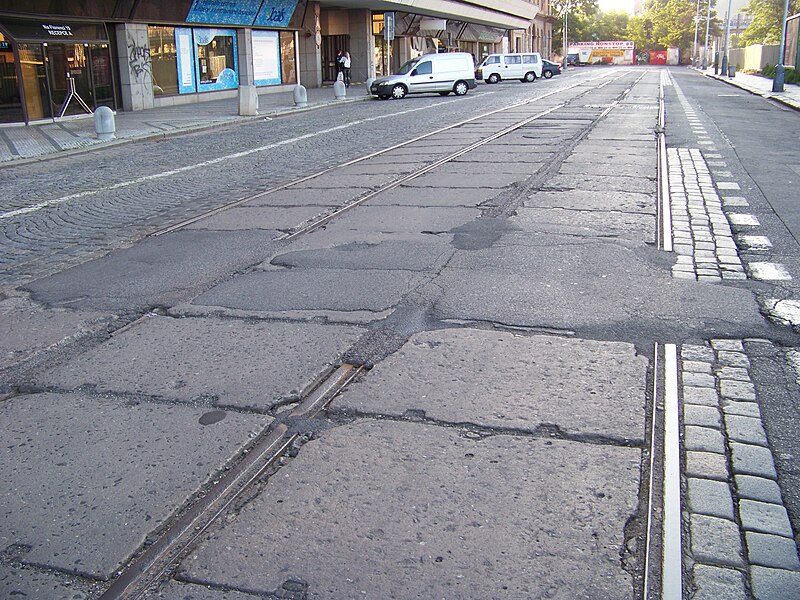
{"x":579,"y":11}
{"x":767,"y":21}
{"x":668,"y":24}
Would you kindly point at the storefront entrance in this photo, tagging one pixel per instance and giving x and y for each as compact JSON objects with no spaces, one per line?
{"x":56,"y":77}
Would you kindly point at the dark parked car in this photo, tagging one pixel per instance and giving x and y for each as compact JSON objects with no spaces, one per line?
{"x":550,"y":68}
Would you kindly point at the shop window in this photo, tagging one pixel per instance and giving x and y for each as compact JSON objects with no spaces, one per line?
{"x":288,"y":64}
{"x":163,"y":60}
{"x":216,"y":59}
{"x":10,"y":102}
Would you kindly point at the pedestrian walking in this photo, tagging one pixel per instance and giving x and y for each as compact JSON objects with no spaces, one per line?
{"x":339,"y":56}
{"x":346,"y":68}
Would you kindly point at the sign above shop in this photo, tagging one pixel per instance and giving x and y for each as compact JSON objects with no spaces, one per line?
{"x":24,"y":31}
{"x":266,"y":13}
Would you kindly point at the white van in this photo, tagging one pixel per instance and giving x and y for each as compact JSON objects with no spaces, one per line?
{"x":525,"y":66}
{"x":442,"y":73}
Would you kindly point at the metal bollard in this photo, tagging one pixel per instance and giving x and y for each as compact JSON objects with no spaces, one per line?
{"x":300,"y":96}
{"x":339,"y":91}
{"x":370,"y":81}
{"x":731,"y":71}
{"x":104,"y":125}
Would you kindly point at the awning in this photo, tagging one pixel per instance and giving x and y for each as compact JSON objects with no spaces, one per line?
{"x":54,"y":31}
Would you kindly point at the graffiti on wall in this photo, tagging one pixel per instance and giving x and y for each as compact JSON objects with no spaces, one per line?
{"x":139,"y":60}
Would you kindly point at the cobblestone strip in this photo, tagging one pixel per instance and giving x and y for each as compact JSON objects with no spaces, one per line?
{"x":702,"y":236}
{"x":741,"y":541}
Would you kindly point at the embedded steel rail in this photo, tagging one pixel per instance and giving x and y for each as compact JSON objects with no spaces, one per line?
{"x":294,"y":182}
{"x":151,"y":565}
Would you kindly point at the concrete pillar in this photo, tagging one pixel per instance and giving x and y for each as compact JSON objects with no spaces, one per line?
{"x":135,"y":74}
{"x":362,"y":45}
{"x":309,"y":50}
{"x":248,"y":95}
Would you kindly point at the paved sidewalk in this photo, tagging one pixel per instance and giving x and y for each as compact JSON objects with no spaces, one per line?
{"x":761,"y":86}
{"x":77,"y":133}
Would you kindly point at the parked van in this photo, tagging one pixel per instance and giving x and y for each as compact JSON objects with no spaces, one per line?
{"x":442,"y":73}
{"x":525,"y":66}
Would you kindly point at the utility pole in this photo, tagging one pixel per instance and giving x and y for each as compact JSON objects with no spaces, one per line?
{"x":780,"y":70}
{"x":696,"y":25}
{"x":705,"y":46}
{"x":566,"y":11}
{"x":725,"y":47}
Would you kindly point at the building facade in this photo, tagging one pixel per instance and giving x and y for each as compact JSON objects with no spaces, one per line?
{"x":139,"y":54}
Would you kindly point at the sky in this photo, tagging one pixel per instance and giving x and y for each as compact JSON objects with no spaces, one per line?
{"x":616,"y":5}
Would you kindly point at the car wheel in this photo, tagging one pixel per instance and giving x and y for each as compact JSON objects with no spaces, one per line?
{"x":547,"y":74}
{"x":530,"y":77}
{"x":493,"y":78}
{"x":460,"y":88}
{"x":444,"y":93}
{"x":399,"y":91}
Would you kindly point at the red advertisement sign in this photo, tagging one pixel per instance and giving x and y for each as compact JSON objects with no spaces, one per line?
{"x":658,"y":57}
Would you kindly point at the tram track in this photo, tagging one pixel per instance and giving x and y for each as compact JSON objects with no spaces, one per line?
{"x":158,"y":559}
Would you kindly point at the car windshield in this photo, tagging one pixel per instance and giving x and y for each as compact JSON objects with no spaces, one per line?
{"x":406,"y":67}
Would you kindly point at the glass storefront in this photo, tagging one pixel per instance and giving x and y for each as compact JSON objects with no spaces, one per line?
{"x":58,"y":69}
{"x":187,"y":60}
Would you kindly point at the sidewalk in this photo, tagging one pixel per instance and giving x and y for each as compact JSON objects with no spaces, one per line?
{"x":761,"y":86}
{"x":70,"y":134}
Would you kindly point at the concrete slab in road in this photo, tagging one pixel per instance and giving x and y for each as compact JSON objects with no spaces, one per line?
{"x":382,"y":509}
{"x":404,"y":196}
{"x":594,"y":223}
{"x":271,"y":219}
{"x":27,"y":328}
{"x":603,"y":183}
{"x":158,"y":271}
{"x":612,"y":291}
{"x":633,"y":202}
{"x":406,"y":219}
{"x":446,"y":180}
{"x":224,"y":362}
{"x":315,"y":292}
{"x":145,"y":461}
{"x":498,"y":379}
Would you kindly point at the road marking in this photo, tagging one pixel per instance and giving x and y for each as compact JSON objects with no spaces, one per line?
{"x":743,"y":219}
{"x":768,"y":271}
{"x":756,"y":242}
{"x":208,"y":163}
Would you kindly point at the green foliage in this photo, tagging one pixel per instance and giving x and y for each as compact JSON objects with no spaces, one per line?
{"x":790,"y":75}
{"x":670,"y":23}
{"x":579,"y":13}
{"x":767,"y":21}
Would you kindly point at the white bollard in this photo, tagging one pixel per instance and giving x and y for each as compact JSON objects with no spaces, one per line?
{"x":300,"y":96}
{"x":370,"y":81}
{"x":339,"y":91}
{"x":104,"y":125}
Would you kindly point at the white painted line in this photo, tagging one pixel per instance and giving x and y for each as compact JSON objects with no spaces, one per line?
{"x":743,"y":219}
{"x":728,"y":185}
{"x":768,"y":271}
{"x":735,"y":201}
{"x":787,"y":311}
{"x":672,"y":558}
{"x":666,"y":209}
{"x":756,"y":242}
{"x":650,"y":507}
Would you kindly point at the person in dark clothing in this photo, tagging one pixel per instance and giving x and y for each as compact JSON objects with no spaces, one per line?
{"x":346,"y":68}
{"x":339,"y":56}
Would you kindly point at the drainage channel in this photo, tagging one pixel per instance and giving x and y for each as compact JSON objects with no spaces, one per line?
{"x":153,"y":563}
{"x":250,"y":198}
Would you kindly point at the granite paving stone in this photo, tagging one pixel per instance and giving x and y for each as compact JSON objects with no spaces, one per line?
{"x":718,"y":583}
{"x":704,"y":439}
{"x":772,"y":551}
{"x":775,"y":584}
{"x":749,"y":459}
{"x":703,"y":416}
{"x":709,"y":465}
{"x":745,"y":409}
{"x":737,"y":390}
{"x":709,"y":497}
{"x":700,"y":395}
{"x":758,"y":488}
{"x":744,"y":429}
{"x":763,"y":517}
{"x":715,"y":541}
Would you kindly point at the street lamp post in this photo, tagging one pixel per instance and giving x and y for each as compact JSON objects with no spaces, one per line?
{"x":727,"y":34}
{"x":566,"y":11}
{"x":780,"y":70}
{"x":705,"y":46}
{"x":696,"y":25}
